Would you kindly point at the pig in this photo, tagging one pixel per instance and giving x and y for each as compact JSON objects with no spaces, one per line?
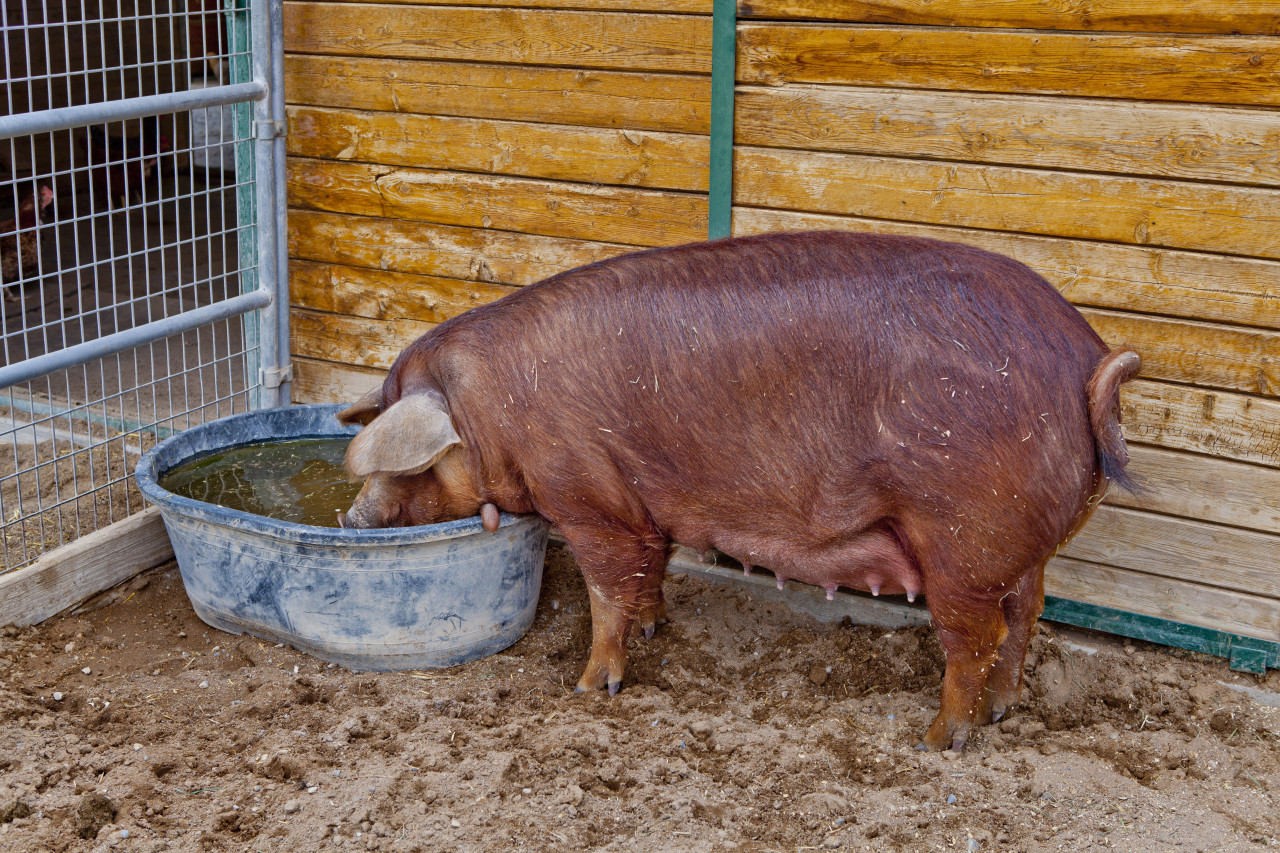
{"x":880,"y":413}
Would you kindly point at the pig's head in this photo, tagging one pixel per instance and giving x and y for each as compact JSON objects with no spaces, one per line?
{"x":413,"y":462}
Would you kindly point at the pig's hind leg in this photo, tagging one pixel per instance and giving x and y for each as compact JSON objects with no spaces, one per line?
{"x":623,"y":573}
{"x":1022,"y":606}
{"x":971,"y":629}
{"x":652,"y":610}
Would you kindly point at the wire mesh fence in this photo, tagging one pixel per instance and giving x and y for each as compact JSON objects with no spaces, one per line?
{"x":130,"y":238}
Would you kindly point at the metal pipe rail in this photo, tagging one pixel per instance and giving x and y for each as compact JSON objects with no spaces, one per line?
{"x":65,"y":118}
{"x":156,"y":330}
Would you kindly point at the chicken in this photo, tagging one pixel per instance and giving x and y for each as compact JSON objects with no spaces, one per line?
{"x":121,"y":164}
{"x":19,"y":246}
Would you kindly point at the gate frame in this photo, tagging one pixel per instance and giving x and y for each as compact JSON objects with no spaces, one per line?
{"x":105,"y":557}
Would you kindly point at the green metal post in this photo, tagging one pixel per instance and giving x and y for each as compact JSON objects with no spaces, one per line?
{"x":724,"y":26}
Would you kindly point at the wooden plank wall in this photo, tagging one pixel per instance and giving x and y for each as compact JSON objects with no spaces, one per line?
{"x":441,"y":155}
{"x":444,"y":154}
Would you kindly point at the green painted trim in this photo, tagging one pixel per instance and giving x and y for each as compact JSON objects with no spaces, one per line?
{"x":1247,"y":654}
{"x":724,"y":32}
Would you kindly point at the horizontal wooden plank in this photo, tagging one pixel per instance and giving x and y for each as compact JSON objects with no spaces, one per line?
{"x":1164,"y":598}
{"x":554,"y":209}
{"x":1162,"y":140}
{"x":326,"y":382}
{"x":639,"y":42}
{"x":1104,"y":275}
{"x":593,"y":155}
{"x":1202,"y":488}
{"x":85,"y":567}
{"x":384,"y":295}
{"x":1192,"y":69}
{"x":618,"y":99}
{"x":693,"y":7}
{"x":1156,"y":16}
{"x":1216,"y":423}
{"x":356,"y":341}
{"x":1195,"y":551}
{"x":1196,"y":353}
{"x":1173,"y":214}
{"x":472,"y":254}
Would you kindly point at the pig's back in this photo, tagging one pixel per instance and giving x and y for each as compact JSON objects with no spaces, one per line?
{"x":795,"y":380}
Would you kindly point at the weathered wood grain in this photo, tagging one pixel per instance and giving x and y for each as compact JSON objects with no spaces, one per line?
{"x":1162,"y":140}
{"x":1164,"y":598}
{"x":1203,"y":488}
{"x":638,"y":42}
{"x":693,"y":7}
{"x":356,"y":341}
{"x":593,"y":155}
{"x":1174,"y":214}
{"x":1192,"y":69}
{"x":1105,"y":275}
{"x":472,"y":254}
{"x":384,"y":295}
{"x":85,"y":567}
{"x":326,"y":382}
{"x":555,"y":209}
{"x":1216,"y":423}
{"x":1195,"y":551}
{"x":619,"y":99}
{"x":1193,"y":353}
{"x":1156,"y":16}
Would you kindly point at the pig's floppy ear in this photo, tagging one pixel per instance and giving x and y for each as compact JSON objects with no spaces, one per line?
{"x":363,"y":410}
{"x":409,"y":437}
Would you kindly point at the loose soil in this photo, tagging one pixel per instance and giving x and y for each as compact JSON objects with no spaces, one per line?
{"x":741,"y":726}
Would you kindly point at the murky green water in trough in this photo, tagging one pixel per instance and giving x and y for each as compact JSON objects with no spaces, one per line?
{"x":301,"y":480}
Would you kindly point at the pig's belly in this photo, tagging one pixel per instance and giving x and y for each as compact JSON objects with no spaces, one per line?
{"x":872,"y":560}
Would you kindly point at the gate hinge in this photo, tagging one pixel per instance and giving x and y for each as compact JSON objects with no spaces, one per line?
{"x":277,"y":376}
{"x":268,"y":129}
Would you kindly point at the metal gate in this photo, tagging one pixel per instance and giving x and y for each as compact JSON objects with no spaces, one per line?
{"x":141,"y":228}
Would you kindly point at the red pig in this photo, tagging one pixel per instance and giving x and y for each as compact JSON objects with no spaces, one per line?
{"x":879,"y":413}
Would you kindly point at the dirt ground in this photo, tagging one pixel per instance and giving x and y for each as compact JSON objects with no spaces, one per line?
{"x":741,"y":726}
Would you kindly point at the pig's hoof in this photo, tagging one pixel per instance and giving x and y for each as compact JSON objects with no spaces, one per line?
{"x":957,"y":747}
{"x":614,"y":687}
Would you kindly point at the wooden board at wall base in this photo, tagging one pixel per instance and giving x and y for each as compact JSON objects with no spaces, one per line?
{"x":94,"y":562}
{"x":679,"y":103}
{"x":1194,"y":551}
{"x":1164,"y":598}
{"x":1143,"y":279}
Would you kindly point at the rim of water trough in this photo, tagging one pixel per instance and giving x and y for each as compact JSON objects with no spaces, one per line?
{"x":264,"y":425}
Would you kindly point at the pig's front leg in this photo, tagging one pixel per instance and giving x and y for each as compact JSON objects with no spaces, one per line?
{"x":623,"y":571}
